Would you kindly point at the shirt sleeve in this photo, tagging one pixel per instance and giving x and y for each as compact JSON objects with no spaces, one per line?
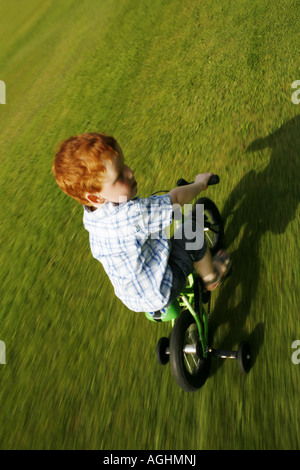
{"x":155,"y":213}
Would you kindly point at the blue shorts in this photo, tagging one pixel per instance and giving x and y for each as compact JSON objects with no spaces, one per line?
{"x":182,"y":259}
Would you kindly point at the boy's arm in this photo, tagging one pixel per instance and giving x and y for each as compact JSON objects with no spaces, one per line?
{"x":184,"y":194}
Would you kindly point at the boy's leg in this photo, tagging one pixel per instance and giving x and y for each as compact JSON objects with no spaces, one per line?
{"x":184,"y":260}
{"x":212,"y":270}
{"x":181,"y":265}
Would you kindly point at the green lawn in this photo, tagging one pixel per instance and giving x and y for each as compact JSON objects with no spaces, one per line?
{"x":185,"y":87}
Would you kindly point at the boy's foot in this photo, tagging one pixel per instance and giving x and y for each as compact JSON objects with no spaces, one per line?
{"x":222,"y":264}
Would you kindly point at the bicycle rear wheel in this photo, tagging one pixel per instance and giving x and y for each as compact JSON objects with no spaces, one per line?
{"x":213,"y":225}
{"x":190,"y":369}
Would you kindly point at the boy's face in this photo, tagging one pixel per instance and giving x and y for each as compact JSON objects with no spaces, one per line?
{"x":119,"y":184}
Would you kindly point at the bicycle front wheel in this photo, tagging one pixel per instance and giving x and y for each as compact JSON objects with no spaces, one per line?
{"x":190,"y":369}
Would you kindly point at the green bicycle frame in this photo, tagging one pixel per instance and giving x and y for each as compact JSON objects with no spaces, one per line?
{"x":186,"y":300}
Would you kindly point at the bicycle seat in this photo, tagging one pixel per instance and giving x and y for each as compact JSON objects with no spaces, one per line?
{"x":165,"y":314}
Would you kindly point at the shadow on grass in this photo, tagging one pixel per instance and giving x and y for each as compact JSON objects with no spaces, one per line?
{"x":262,"y":201}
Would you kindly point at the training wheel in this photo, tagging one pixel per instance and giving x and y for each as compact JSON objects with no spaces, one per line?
{"x":161,"y":348}
{"x":244,"y":357}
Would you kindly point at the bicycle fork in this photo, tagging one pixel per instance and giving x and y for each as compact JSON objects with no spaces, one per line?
{"x":202,"y":330}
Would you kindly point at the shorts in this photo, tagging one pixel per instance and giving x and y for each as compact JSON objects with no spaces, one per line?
{"x":184,"y":253}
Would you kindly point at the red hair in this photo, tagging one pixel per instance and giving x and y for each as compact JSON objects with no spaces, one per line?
{"x":79,"y":164}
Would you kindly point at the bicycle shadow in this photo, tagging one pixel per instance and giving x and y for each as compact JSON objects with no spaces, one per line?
{"x":262,"y":201}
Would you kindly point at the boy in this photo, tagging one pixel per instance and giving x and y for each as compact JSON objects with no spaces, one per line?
{"x":147,"y":270}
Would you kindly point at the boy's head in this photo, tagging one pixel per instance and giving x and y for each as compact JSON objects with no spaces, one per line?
{"x":90,"y":168}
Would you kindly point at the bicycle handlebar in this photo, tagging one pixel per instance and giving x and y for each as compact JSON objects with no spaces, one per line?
{"x":214,"y":179}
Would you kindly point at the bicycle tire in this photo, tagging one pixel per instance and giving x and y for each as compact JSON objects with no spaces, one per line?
{"x":189,"y":382}
{"x":161,"y":356}
{"x":244,"y":357}
{"x":215,"y":239}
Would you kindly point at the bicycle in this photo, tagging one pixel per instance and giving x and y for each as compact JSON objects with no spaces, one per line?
{"x":188,"y":348}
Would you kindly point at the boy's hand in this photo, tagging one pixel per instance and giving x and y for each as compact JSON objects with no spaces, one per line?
{"x":203,"y":178}
{"x":185,"y":194}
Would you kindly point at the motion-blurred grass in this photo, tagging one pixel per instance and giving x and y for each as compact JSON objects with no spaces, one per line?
{"x":185,"y":87}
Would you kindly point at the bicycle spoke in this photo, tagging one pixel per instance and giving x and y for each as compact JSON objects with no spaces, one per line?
{"x":187,"y":363}
{"x":209,"y":238}
{"x":191,"y":360}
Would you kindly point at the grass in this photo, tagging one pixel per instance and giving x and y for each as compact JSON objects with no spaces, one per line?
{"x":185,"y":87}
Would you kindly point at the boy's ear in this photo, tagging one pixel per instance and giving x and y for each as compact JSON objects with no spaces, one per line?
{"x":95,"y":199}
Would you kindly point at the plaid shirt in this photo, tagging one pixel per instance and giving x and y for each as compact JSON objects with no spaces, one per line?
{"x":130,"y":241}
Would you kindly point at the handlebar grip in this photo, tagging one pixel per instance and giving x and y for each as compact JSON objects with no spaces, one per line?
{"x":182,"y":182}
{"x":214,"y":179}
